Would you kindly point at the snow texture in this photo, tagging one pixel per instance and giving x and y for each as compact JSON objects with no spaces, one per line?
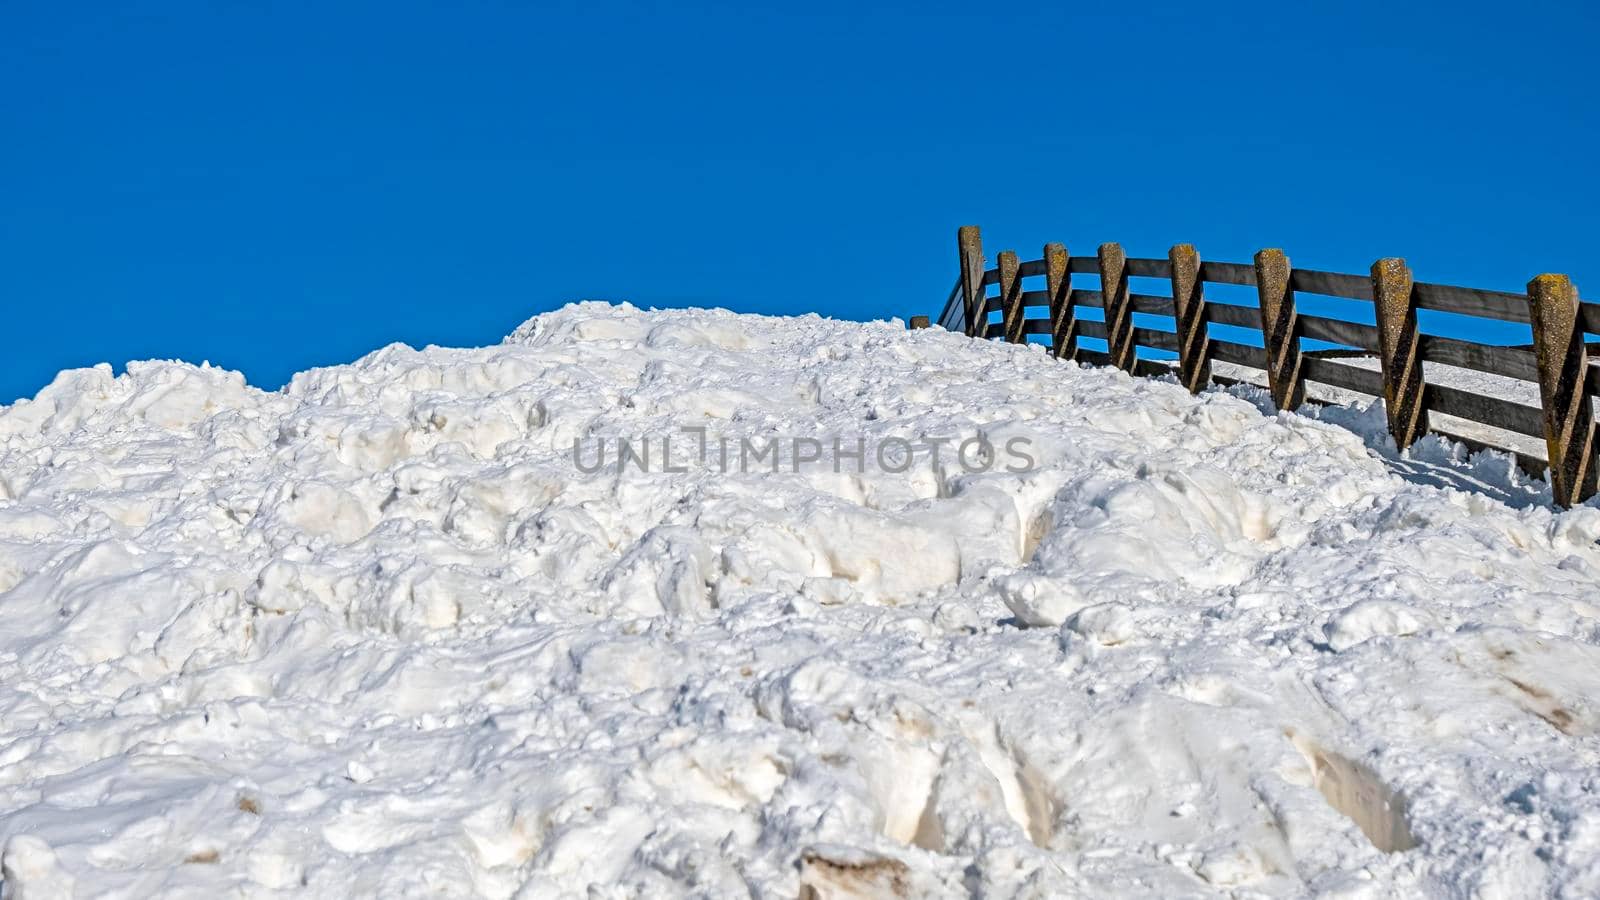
{"x":381,"y":633}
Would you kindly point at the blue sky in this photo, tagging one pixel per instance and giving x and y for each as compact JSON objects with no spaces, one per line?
{"x":277,"y":186}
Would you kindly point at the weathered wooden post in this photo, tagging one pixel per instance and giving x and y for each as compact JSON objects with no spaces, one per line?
{"x":1058,"y":284}
{"x":920,"y":322}
{"x":969,"y":243}
{"x":1118,"y":307}
{"x":1279,"y":330}
{"x":1563,"y":369}
{"x":1399,"y":345}
{"x":1189,"y":310}
{"x":1010,"y":297}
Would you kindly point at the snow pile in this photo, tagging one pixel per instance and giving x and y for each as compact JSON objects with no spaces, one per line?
{"x":385,"y":632}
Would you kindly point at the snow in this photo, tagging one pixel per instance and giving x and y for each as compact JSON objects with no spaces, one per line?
{"x":384,"y":633}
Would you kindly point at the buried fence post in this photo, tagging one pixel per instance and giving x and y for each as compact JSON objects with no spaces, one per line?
{"x":919,"y":322}
{"x":1058,"y":284}
{"x":1118,"y":308}
{"x":1563,"y":391}
{"x":1010,"y":297}
{"x":1189,"y":311}
{"x":1279,"y":330}
{"x":1404,"y":397}
{"x":969,"y":243}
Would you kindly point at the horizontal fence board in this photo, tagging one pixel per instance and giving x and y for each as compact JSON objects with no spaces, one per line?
{"x":1036,"y":298}
{"x":1238,"y":354}
{"x":1152,"y":304}
{"x":1094,"y":357}
{"x":1089,"y":328}
{"x":1338,"y":331}
{"x":1331,"y":284}
{"x":1471,"y":302}
{"x":1036,"y":326}
{"x":1088,"y":298}
{"x":1511,"y":362}
{"x":1230,"y":314}
{"x":991,"y":305}
{"x":1159,"y":340}
{"x":1533,"y":466}
{"x":1083,"y":265}
{"x":991,"y":277}
{"x":1227,"y":273}
{"x":1350,"y":378}
{"x":1149,"y":268}
{"x":1493,"y":411}
{"x":1589,"y":314}
{"x":1030,"y":268}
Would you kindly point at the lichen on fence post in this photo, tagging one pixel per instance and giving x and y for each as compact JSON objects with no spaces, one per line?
{"x":1189,"y":312}
{"x":1279,"y":331}
{"x":1058,"y":284}
{"x":1011,"y":319}
{"x":1399,"y":346}
{"x":1563,"y":392}
{"x":969,"y":244}
{"x":1118,"y":308}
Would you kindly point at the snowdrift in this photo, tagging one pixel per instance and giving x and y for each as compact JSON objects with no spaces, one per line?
{"x":416,"y":625}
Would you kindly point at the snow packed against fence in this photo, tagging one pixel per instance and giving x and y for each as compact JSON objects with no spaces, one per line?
{"x":384,"y":632}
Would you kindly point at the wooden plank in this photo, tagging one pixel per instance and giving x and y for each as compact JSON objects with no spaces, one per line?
{"x":1590,"y":313}
{"x":1405,"y":402}
{"x":1030,"y":268}
{"x":1159,"y":340}
{"x":1058,"y":291}
{"x":1233,"y":314}
{"x":1093,"y":357}
{"x":1145,"y":267}
{"x":1227,"y":273}
{"x":1189,"y":311}
{"x":1531,"y":465}
{"x":919,"y":322}
{"x":1493,"y":411}
{"x":969,"y":244}
{"x":1280,"y":332}
{"x":1152,"y":304}
{"x":991,"y":277}
{"x":953,"y":316}
{"x":1036,"y":326}
{"x":1511,"y":362}
{"x":1471,"y":302}
{"x":1035,"y":298}
{"x":1350,"y":378}
{"x":1331,"y":284}
{"x":1338,"y":331}
{"x":1087,"y":298}
{"x":1011,"y":316}
{"x":1083,"y":265}
{"x":1563,"y":372}
{"x":1119,"y":311}
{"x":1238,"y":354}
{"x":1092,"y":329}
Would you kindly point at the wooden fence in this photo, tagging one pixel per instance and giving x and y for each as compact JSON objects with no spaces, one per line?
{"x":1557,"y":360}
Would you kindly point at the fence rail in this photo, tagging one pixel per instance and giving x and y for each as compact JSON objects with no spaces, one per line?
{"x":1558,"y":361}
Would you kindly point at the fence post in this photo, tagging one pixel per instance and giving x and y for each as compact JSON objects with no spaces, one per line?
{"x":1118,"y":308}
{"x":969,"y":243}
{"x":1189,"y":311}
{"x":1058,"y":284}
{"x":1279,"y":330}
{"x":919,"y":322}
{"x":1010,"y":297}
{"x":1399,"y":345}
{"x":1563,"y":391}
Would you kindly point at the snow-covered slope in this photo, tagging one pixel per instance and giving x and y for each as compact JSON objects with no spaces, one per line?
{"x":382,"y":634}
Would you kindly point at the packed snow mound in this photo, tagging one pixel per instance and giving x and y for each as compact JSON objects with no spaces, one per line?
{"x":857,"y":612}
